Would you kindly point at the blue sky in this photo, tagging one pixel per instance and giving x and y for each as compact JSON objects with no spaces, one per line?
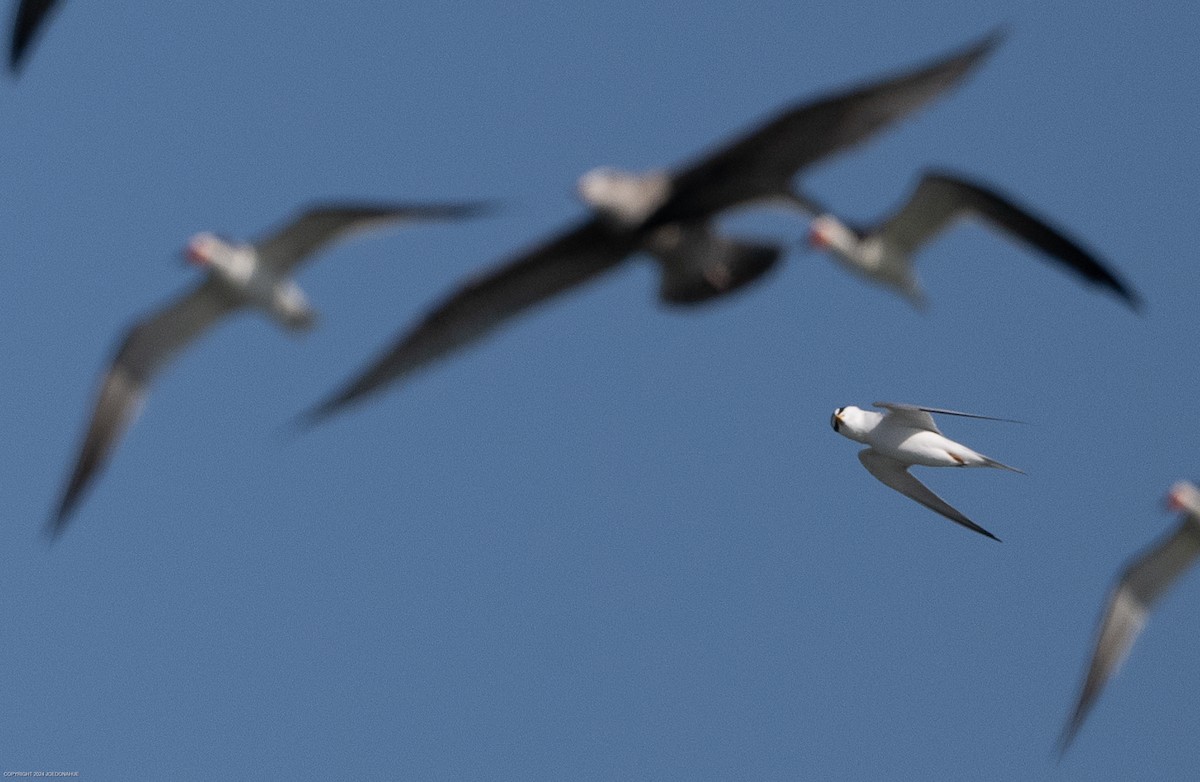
{"x":616,"y":541}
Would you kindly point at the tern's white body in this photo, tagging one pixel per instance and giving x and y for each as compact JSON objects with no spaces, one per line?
{"x":897,"y":438}
{"x":905,"y":436}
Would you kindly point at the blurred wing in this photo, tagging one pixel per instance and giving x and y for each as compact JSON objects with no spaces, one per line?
{"x":282,"y":250}
{"x":28,"y":20}
{"x":896,"y":475}
{"x":486,"y":303}
{"x":764,"y":161}
{"x":941,"y":196}
{"x":1142,"y":583}
{"x":929,"y":209}
{"x":147,"y":347}
{"x":918,"y":415}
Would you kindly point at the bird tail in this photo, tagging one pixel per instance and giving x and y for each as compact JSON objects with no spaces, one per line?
{"x":999,"y":465}
{"x":698,"y":265}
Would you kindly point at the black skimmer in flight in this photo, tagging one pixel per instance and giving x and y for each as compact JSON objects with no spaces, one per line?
{"x":1145,"y":579}
{"x":884,"y":252}
{"x":256,"y":276}
{"x":669,"y":216}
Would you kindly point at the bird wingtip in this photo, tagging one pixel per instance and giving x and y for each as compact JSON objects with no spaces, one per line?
{"x":1134,"y":300}
{"x":303,"y":422}
{"x":991,"y":39}
{"x":984,"y":45}
{"x":459,"y":211}
{"x":1065,"y":739}
{"x":481,"y":208}
{"x":307,"y":420}
{"x":998,"y":33}
{"x":53,"y":529}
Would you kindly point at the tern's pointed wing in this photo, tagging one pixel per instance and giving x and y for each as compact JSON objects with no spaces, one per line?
{"x":940,"y":197}
{"x":306,"y":233}
{"x":908,"y":415}
{"x":1141,"y":584}
{"x":896,"y":475}
{"x":28,"y":20}
{"x":147,"y":347}
{"x":763,"y":162}
{"x":482,"y":305}
{"x":918,"y":416}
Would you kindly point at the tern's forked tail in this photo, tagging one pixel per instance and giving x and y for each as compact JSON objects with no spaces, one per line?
{"x":1000,"y":465}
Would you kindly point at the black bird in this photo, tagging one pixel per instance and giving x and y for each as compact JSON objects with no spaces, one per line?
{"x":668,"y":215}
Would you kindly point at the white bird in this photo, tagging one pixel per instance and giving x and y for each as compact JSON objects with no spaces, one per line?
{"x":238,"y":275}
{"x":905,"y":436}
{"x":667,"y":215}
{"x":27,"y":21}
{"x":884,"y":252}
{"x":1143,"y":581}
